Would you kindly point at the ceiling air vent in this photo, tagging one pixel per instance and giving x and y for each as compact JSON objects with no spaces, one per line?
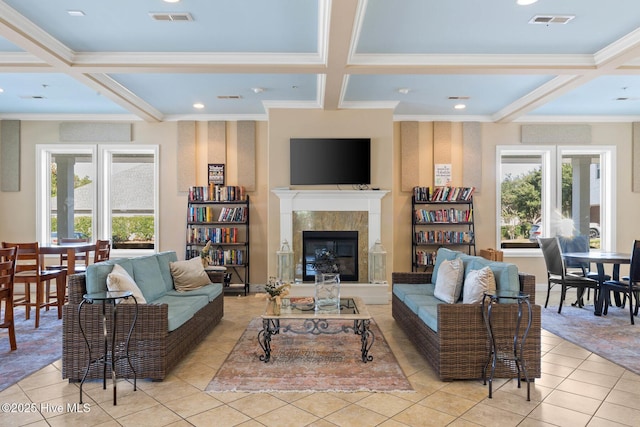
{"x":551,"y":19}
{"x":229,"y":97}
{"x":458,"y":97}
{"x":32,"y":97}
{"x":175,"y":16}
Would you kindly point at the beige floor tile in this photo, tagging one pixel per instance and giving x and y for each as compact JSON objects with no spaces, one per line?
{"x":559,"y":359}
{"x":384,"y":404}
{"x":559,"y":416}
{"x":624,"y":398}
{"x":448,"y":403}
{"x":602,"y":367}
{"x":155,"y":416}
{"x":573,"y":401}
{"x":222,"y":416}
{"x":584,"y":389}
{"x":619,"y":414}
{"x":590,"y":377}
{"x":321,"y":404}
{"x":192,"y":405}
{"x":287,"y":416}
{"x":418,"y":416}
{"x":490,"y":416}
{"x":257,"y":404}
{"x":355,"y":416}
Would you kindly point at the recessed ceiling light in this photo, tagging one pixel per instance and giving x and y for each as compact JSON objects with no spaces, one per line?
{"x":257,"y":89}
{"x":172,"y":1}
{"x":460,"y":106}
{"x":403,"y":90}
{"x":198,"y":105}
{"x":75,"y":13}
{"x":526,"y":2}
{"x":1,"y":90}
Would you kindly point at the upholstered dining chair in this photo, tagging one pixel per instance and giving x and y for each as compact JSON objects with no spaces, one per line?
{"x":629,"y":286}
{"x":7,"y":272}
{"x":29,"y":270}
{"x":102,"y":252}
{"x":579,"y":243}
{"x":557,"y":272}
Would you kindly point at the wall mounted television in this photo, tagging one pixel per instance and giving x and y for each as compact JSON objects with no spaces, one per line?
{"x":321,"y":161}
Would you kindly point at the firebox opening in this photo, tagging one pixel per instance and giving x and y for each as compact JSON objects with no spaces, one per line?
{"x":337,"y":250}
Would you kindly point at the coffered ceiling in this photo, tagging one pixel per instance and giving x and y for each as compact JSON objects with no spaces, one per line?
{"x":554,"y":60}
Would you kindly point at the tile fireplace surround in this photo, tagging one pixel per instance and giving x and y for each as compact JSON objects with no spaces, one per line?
{"x":369,"y":201}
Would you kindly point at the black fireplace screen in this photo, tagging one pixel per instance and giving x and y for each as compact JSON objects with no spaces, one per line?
{"x":330,"y":252}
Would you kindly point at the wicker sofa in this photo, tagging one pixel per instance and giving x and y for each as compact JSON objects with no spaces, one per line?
{"x":458,"y":346}
{"x":169,"y":325}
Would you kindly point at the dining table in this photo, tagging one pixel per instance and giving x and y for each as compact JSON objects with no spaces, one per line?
{"x":71,"y":249}
{"x":600,"y":258}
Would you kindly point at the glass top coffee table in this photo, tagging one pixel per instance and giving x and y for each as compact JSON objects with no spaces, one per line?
{"x":316,"y":322}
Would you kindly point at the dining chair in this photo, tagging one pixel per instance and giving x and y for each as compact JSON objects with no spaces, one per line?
{"x":29,"y":270}
{"x":7,"y":272}
{"x":629,"y":286}
{"x":579,"y":243}
{"x":82,"y":259}
{"x":103,"y":251}
{"x":557,"y":273}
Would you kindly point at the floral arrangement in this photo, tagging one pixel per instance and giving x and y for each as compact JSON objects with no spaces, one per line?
{"x":274,"y":293}
{"x":325,"y":261}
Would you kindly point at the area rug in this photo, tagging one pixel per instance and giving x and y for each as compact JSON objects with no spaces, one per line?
{"x":37,"y":348}
{"x":309,"y":363}
{"x":612,"y":336}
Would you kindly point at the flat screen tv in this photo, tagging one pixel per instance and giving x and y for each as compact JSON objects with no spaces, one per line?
{"x":318,"y":161}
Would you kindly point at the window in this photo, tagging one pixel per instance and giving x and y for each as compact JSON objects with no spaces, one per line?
{"x":105,"y":191}
{"x":555,"y":190}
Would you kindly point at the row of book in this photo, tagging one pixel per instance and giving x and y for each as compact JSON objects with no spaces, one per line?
{"x":235,"y":214}
{"x":425,"y":258}
{"x":443,"y":236}
{"x":452,"y":215}
{"x":217,"y":193}
{"x":222,"y":256}
{"x":208,"y":214}
{"x":443,"y":194}
{"x":215,"y":234}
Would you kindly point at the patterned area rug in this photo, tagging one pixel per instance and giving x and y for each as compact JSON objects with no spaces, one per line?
{"x":37,"y":348}
{"x":309,"y":363}
{"x":612,"y":336}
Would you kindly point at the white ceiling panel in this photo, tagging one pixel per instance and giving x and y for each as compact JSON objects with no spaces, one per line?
{"x":115,"y":60}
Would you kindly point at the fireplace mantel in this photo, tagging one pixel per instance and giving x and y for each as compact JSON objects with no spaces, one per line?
{"x":330,"y":200}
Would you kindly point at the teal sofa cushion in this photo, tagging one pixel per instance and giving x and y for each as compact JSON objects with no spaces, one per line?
{"x":146,"y":273}
{"x":443,"y":254}
{"x":402,"y":289}
{"x":414,"y":302}
{"x":506,"y":274}
{"x":96,"y":276}
{"x":164,"y":258}
{"x":210,"y":291}
{"x":181,"y":308}
{"x":429,"y":315}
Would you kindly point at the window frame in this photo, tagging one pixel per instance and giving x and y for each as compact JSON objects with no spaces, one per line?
{"x":102,"y":155}
{"x":551,"y":162}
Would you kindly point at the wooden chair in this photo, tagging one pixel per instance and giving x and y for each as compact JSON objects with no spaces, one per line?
{"x":557,"y":273}
{"x":628,"y":285}
{"x":103,"y":251}
{"x":29,"y":270}
{"x":7,"y":272}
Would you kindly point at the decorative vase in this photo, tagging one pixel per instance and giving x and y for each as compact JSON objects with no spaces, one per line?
{"x":273,"y":306}
{"x":327,"y":291}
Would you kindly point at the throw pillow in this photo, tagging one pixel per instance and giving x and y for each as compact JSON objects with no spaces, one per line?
{"x":476,"y":284}
{"x":188,"y":275}
{"x":120,"y":280}
{"x":449,"y":281}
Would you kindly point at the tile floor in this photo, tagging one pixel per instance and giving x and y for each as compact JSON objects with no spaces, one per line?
{"x":577,"y":388}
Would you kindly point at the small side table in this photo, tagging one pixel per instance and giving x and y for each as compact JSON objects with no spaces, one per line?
{"x":109,"y":356}
{"x":512,"y":354}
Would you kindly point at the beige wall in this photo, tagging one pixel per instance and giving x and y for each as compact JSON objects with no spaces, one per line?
{"x":17,"y":210}
{"x":286,"y":124}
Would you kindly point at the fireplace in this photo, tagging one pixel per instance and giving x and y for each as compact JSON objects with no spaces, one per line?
{"x":337,"y":251}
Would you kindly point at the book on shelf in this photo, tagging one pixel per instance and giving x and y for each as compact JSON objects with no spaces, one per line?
{"x":443,"y":194}
{"x":217,"y":193}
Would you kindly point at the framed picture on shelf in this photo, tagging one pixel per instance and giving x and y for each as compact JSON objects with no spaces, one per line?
{"x":216,"y":173}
